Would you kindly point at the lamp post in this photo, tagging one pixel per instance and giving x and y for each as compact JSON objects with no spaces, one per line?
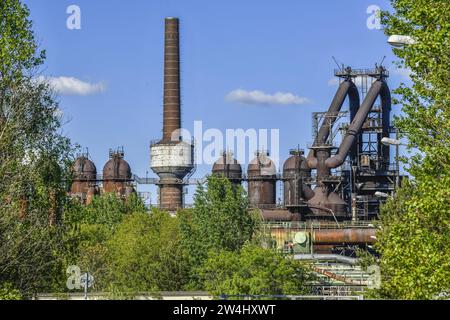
{"x":397,"y":143}
{"x":380,"y":194}
{"x":400,"y":41}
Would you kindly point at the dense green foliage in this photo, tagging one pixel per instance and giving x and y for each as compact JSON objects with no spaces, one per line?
{"x":7,"y":292}
{"x":414,"y":241}
{"x":127,"y":248}
{"x":425,"y":104}
{"x":87,"y":230}
{"x":219,"y":220}
{"x":253,"y":271}
{"x":107,"y":209}
{"x":19,"y":52}
{"x":146,"y":254}
{"x":33,"y":159}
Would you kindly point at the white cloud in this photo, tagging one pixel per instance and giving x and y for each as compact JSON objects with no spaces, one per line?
{"x":74,"y":86}
{"x":257,"y":97}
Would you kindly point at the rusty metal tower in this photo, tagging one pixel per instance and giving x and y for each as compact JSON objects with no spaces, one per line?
{"x":172,"y":159}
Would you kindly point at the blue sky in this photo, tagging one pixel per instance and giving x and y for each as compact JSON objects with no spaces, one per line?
{"x":270,"y":46}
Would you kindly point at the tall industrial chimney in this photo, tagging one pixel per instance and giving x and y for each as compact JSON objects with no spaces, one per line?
{"x":172,"y":112}
{"x":172,"y":159}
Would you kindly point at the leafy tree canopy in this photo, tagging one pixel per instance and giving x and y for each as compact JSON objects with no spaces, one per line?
{"x":254,"y":271}
{"x":33,"y":159}
{"x":414,"y":241}
{"x":426,"y":104}
{"x":146,"y":254}
{"x":219,"y":220}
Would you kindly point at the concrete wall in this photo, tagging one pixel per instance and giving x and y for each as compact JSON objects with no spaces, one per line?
{"x":195,"y":295}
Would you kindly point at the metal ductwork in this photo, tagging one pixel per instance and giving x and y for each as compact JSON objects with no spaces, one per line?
{"x":325,"y":201}
{"x":378,"y":88}
{"x":346,"y":88}
{"x":347,"y":236}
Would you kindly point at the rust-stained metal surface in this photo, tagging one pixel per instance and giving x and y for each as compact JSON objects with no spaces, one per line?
{"x":92,"y":191}
{"x":344,"y":236}
{"x":346,"y":88}
{"x":378,"y":88}
{"x":262,"y":181}
{"x":338,"y":277}
{"x":323,"y":248}
{"x":172,"y":101}
{"x":325,"y":240}
{"x":228,"y":167}
{"x":326,"y":203}
{"x":84,"y":175}
{"x":116,"y":169}
{"x":116,"y":174}
{"x":295,"y":171}
{"x":277,"y":215}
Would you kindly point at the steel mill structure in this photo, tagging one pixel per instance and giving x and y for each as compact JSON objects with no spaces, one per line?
{"x":228,"y":167}
{"x":116,"y":178}
{"x":84,"y":179}
{"x":330,"y":197}
{"x":117,"y":175}
{"x":172,"y":159}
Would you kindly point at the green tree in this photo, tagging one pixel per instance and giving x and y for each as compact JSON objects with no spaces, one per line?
{"x":19,"y":54}
{"x":146,"y":254}
{"x":254,"y":271}
{"x":33,"y":159}
{"x":106,"y":209}
{"x":88,"y":228}
{"x":414,"y":241}
{"x":426,"y":104}
{"x":218,"y":221}
{"x":7,"y":292}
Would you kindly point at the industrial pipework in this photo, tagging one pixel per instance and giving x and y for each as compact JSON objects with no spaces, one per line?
{"x":378,"y":88}
{"x":325,"y":201}
{"x":172,"y":159}
{"x":346,"y":88}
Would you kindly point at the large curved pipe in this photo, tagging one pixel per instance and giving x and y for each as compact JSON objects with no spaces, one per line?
{"x":346,"y":88}
{"x":386,"y":105}
{"x":378,"y":88}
